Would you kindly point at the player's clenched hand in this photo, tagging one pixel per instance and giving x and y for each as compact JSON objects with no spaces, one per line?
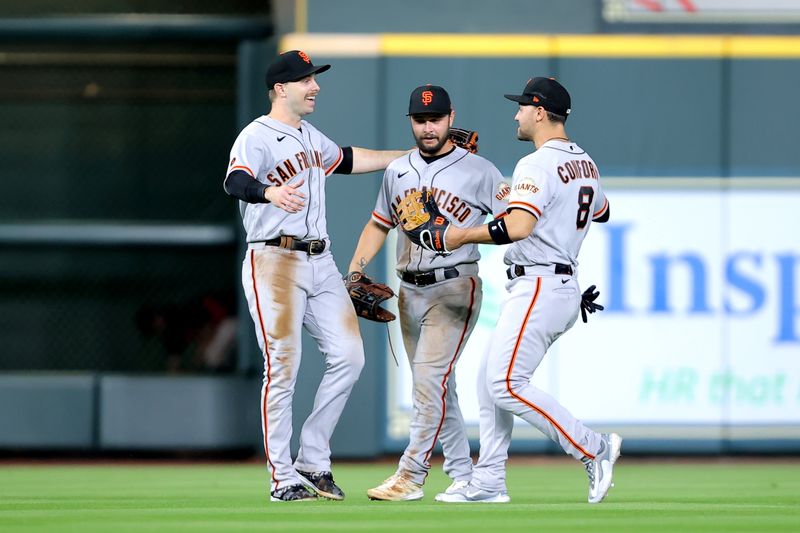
{"x":453,"y":238}
{"x":587,"y":302}
{"x":287,"y":196}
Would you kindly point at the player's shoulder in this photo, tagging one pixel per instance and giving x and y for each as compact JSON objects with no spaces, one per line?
{"x":260,"y":128}
{"x":399,"y":164}
{"x":536,"y":160}
{"x":252,"y":130}
{"x":478,"y":161}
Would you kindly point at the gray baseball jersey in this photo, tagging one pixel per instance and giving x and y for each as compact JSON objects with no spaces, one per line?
{"x":560,"y":185}
{"x":275,"y":153}
{"x":466,"y":186}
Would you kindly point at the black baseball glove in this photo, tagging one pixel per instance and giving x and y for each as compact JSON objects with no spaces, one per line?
{"x":466,"y":139}
{"x":367,"y":297}
{"x":587,"y":302}
{"x":422,"y":222}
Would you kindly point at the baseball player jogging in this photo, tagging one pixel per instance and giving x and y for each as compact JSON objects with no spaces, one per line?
{"x":555,"y":196}
{"x":278,"y":167}
{"x":440,"y":297}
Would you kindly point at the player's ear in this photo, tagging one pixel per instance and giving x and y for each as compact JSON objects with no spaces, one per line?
{"x":452,"y":117}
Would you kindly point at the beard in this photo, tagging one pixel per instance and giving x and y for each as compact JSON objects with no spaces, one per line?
{"x":430,"y":151}
{"x":523,"y":136}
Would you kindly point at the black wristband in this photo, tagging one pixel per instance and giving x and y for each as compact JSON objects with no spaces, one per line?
{"x":499,"y":232}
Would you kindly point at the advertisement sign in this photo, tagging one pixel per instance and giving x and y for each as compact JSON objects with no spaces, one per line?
{"x":701,"y":327}
{"x":698,"y":11}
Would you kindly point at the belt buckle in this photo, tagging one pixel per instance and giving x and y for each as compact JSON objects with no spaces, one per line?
{"x":316,"y":247}
{"x":418,"y":280}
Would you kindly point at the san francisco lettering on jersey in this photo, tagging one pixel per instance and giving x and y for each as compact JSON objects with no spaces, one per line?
{"x":446,"y":201}
{"x":288,"y":169}
{"x":577,"y":169}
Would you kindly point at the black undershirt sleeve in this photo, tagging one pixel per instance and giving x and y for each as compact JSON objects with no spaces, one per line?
{"x":605,"y":217}
{"x":243,"y":186}
{"x":346,"y":166}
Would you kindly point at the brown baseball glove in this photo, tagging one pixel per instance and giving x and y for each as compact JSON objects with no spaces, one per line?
{"x":466,"y":139}
{"x":367,"y":297}
{"x":422,"y":222}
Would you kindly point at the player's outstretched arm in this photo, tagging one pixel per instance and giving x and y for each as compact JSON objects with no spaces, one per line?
{"x":516,"y":225}
{"x":369,"y":244}
{"x":365,"y":160}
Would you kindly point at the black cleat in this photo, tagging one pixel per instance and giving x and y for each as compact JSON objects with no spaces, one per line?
{"x":293,"y":493}
{"x":322,"y":483}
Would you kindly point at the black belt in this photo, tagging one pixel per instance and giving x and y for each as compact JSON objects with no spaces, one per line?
{"x":515,"y":271}
{"x":428,"y":278}
{"x":290,"y":243}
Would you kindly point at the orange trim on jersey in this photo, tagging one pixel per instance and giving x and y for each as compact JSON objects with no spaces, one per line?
{"x":600,"y":212}
{"x":382,"y":220}
{"x":511,"y":367}
{"x":244,"y":168}
{"x":335,"y":163}
{"x":501,"y":215}
{"x":526,"y":204}
{"x":450,"y":370}
{"x":269,"y":366}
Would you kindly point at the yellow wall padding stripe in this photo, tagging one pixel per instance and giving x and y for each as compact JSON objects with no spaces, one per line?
{"x":512,"y":45}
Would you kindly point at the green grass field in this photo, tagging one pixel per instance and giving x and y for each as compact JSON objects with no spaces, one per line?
{"x":648,"y":497}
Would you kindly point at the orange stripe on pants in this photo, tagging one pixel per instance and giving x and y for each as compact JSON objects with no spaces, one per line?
{"x":264,"y":402}
{"x":511,"y":368}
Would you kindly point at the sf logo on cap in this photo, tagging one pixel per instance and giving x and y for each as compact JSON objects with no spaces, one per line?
{"x":427,"y":97}
{"x":304,"y":57}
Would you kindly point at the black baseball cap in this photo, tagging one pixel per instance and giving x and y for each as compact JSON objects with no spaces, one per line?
{"x":429,"y":99}
{"x":546,"y":93}
{"x":292,"y":66}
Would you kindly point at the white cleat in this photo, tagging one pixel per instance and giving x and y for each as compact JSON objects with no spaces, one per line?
{"x":600,"y":470}
{"x":396,"y":488}
{"x":456,"y":492}
{"x":472,"y":494}
{"x":475,"y":495}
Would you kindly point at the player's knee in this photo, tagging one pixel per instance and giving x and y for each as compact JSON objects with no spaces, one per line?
{"x":351,"y":356}
{"x":497,"y":388}
{"x":501,"y":390}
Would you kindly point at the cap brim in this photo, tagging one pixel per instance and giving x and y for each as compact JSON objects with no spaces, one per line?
{"x":433,"y":113}
{"x":519,"y":98}
{"x":312,"y":70}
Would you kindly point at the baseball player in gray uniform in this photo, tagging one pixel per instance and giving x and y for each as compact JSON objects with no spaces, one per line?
{"x":440,"y":297}
{"x":555,"y":197}
{"x":278,"y":168}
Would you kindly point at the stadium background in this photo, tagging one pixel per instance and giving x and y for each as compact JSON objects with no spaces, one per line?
{"x":120,"y":252}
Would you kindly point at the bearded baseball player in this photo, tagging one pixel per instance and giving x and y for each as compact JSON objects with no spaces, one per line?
{"x":555,"y":197}
{"x":278,"y":169}
{"x":440,"y":297}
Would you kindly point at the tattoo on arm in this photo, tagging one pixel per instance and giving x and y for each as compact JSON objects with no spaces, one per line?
{"x":362,"y":263}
